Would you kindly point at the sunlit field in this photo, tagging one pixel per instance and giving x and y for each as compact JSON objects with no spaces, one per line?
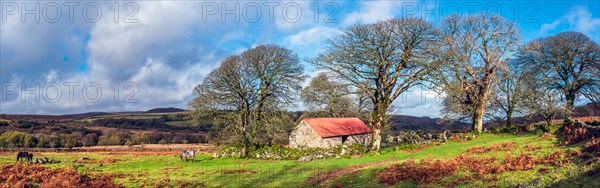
{"x":138,"y":168}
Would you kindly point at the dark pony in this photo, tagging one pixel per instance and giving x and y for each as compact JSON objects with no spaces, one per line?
{"x":25,"y":156}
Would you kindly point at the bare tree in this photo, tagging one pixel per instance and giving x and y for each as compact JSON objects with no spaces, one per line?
{"x":384,"y":59}
{"x":510,"y":91}
{"x":543,"y":102}
{"x":592,"y":93}
{"x":472,"y":50}
{"x":363,"y":102}
{"x":248,"y":87}
{"x":323,"y":94}
{"x":569,"y":63}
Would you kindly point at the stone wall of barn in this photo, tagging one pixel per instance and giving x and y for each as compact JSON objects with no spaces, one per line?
{"x":304,"y":136}
{"x":364,"y":139}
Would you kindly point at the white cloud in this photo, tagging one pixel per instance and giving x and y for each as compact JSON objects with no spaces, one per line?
{"x":315,"y":35}
{"x":163,"y":85}
{"x":578,"y":18}
{"x":549,"y":26}
{"x":419,"y":102}
{"x":166,"y":54}
{"x":125,"y":46}
{"x":373,"y":11}
{"x":581,"y":19}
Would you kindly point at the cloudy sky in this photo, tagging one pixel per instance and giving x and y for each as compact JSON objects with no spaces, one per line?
{"x":60,"y":57}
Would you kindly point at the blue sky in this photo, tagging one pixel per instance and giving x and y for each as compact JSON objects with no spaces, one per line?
{"x":85,"y":57}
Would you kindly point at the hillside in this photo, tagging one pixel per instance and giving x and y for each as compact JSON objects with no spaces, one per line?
{"x":165,"y":110}
{"x":587,"y":110}
{"x":425,"y":124}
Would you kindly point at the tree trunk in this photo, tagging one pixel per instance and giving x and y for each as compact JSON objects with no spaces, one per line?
{"x":478,"y":118}
{"x":570,"y":103}
{"x":549,"y":119}
{"x":376,"y":125}
{"x":245,"y":149}
{"x":508,"y":118}
{"x":376,"y":145}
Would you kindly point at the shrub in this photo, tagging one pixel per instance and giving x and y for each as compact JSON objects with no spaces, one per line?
{"x":593,"y":123}
{"x":71,"y":140}
{"x":23,"y":124}
{"x":592,"y":146}
{"x":54,"y":141}
{"x":542,"y":127}
{"x":278,"y":152}
{"x":462,"y":137}
{"x":573,"y":134}
{"x":141,"y":138}
{"x":510,"y":129}
{"x":90,"y":139}
{"x":16,"y":139}
{"x":43,"y":141}
{"x":113,"y":138}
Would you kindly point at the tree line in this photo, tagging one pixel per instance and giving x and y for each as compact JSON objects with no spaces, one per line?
{"x":477,"y":63}
{"x":17,"y":139}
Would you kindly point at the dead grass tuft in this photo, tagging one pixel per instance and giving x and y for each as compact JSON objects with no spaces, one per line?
{"x":506,"y":146}
{"x":429,"y":171}
{"x":20,"y":175}
{"x":573,"y":135}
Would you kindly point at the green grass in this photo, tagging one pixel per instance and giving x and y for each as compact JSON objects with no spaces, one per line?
{"x":140,"y":170}
{"x":179,"y":123}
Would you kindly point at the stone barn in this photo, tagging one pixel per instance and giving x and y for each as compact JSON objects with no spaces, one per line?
{"x":329,"y":132}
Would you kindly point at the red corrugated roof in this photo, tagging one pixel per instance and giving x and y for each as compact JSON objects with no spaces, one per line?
{"x":330,"y":127}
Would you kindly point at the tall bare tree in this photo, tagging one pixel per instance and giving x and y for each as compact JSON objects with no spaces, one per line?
{"x":247,"y":88}
{"x":473,"y":49}
{"x":323,"y":94}
{"x":510,"y":91}
{"x":542,"y":102}
{"x":384,"y":59}
{"x":569,"y":63}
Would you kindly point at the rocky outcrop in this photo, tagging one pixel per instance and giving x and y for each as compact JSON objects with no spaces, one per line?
{"x":44,"y":160}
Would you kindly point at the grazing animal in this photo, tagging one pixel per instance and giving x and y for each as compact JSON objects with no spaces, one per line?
{"x":25,"y":156}
{"x":186,"y":154}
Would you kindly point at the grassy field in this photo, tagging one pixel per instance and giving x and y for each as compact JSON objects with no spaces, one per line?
{"x":134,"y":169}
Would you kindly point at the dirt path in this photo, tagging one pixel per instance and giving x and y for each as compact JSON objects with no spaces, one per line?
{"x":324,"y":177}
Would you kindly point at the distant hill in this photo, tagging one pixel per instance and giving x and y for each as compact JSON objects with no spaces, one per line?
{"x":165,"y":110}
{"x":426,"y":124}
{"x":587,"y":110}
{"x":87,"y":114}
